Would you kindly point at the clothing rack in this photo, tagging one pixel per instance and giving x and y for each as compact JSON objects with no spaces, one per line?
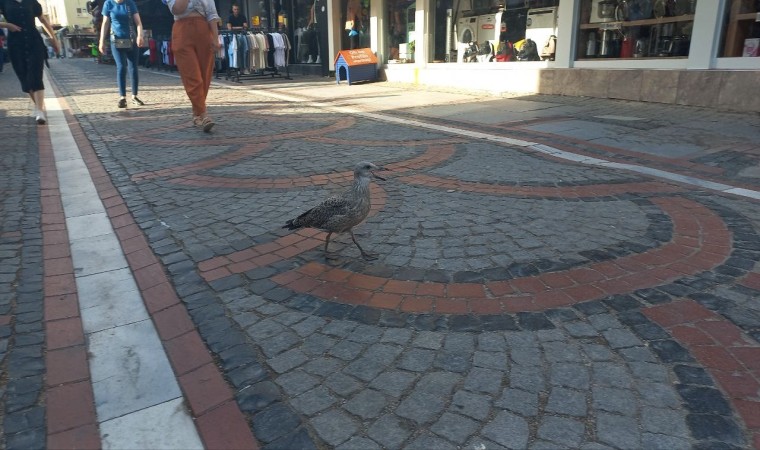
{"x":268,"y":63}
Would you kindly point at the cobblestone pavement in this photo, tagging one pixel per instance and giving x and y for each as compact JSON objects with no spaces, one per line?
{"x":523,"y":298}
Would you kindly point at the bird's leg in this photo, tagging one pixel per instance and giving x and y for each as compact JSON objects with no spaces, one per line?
{"x":327,"y":242}
{"x":366,"y":255}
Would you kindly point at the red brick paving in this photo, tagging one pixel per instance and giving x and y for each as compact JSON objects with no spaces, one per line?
{"x":71,"y":412}
{"x":722,"y":348}
{"x":597,"y":280}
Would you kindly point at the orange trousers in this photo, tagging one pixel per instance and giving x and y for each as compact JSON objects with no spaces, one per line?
{"x":191,"y":45}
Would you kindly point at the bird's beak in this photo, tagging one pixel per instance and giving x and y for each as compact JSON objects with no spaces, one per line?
{"x":374,"y":175}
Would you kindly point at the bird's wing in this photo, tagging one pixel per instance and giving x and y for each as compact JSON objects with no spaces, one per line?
{"x":325,"y":212}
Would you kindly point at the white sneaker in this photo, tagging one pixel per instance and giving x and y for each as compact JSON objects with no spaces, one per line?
{"x":40,"y":118}
{"x":319,"y":60}
{"x":310,"y":61}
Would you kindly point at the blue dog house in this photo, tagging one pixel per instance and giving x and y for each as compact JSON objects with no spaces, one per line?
{"x":355,"y":65}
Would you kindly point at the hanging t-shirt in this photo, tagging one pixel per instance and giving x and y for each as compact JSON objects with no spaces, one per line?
{"x":120,"y":14}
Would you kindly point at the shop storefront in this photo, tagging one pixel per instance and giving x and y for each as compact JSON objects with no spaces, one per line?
{"x":698,"y":52}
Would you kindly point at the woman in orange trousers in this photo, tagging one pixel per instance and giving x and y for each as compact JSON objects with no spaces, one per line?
{"x":195,"y":39}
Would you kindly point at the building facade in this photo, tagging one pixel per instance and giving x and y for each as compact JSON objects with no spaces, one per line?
{"x":692,"y":52}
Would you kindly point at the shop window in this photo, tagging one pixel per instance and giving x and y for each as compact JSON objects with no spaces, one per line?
{"x":741,"y":30}
{"x":355,"y":24}
{"x":496,"y":30}
{"x":402,"y":39}
{"x":635,"y":28}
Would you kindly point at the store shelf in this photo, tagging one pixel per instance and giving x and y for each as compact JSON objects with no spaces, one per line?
{"x":739,"y":27}
{"x":639,"y":23}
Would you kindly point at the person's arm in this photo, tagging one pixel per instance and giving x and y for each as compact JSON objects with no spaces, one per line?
{"x":104,"y":29}
{"x":229,"y":25}
{"x":49,"y":30}
{"x":245,"y":24}
{"x":213,"y":25}
{"x":12,"y":27}
{"x":139,"y":25}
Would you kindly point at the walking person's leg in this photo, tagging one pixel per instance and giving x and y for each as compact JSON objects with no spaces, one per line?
{"x":134,"y":74}
{"x":185,"y":44}
{"x":119,"y":58}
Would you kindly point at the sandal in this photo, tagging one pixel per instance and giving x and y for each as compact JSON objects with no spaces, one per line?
{"x":207,"y":124}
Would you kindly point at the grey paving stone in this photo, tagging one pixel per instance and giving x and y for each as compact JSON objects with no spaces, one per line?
{"x":597,"y":352}
{"x":580,"y":329}
{"x":663,"y":442}
{"x":604,"y":322}
{"x":334,"y":427}
{"x":570,"y":375}
{"x":455,"y":428}
{"x":347,"y":350}
{"x":365,"y":334}
{"x":393,"y":383}
{"x":421,"y":407}
{"x":614,"y":400}
{"x":365,"y":368}
{"x":477,"y":406}
{"x":382,"y":353}
{"x":611,"y":374}
{"x":452,"y":362}
{"x":296,"y":382}
{"x":396,"y":336}
{"x":527,"y":378}
{"x":366,"y":404}
{"x":484,"y":380}
{"x":342,"y":384}
{"x":528,"y":356}
{"x":275,"y":422}
{"x":490,"y":360}
{"x":427,"y":442}
{"x":491,"y":342}
{"x":359,"y":443}
{"x":279,"y":343}
{"x":618,"y":431}
{"x":459,"y":342}
{"x":521,"y":339}
{"x":309,"y":326}
{"x":649,"y":371}
{"x":323,"y":366}
{"x":317,"y":344}
{"x":390,"y":431}
{"x":507,"y":429}
{"x":265,"y":328}
{"x":428,"y":340}
{"x":551,"y":335}
{"x":416,"y":360}
{"x":522,"y":402}
{"x":313,"y":401}
{"x":620,"y":338}
{"x":339,"y":328}
{"x":664,"y":421}
{"x":478,"y":443}
{"x":637,"y":354}
{"x":562,"y":352}
{"x":287,"y":361}
{"x":563,"y":431}
{"x":567,"y":401}
{"x":658,"y":394}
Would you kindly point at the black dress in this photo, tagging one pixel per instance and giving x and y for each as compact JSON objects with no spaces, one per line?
{"x":26,"y":48}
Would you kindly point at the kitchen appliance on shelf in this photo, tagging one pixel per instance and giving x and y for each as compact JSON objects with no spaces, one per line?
{"x":541,"y":24}
{"x":602,"y":11}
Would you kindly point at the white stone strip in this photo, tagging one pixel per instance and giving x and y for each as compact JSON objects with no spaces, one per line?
{"x":137,"y":399}
{"x":539,"y":148}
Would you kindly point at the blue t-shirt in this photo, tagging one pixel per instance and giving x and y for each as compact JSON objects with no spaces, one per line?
{"x":120,"y":13}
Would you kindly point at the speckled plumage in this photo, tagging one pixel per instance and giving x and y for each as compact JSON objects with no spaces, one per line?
{"x":340,"y":213}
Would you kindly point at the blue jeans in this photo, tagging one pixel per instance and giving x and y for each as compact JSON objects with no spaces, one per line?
{"x":125,"y":58}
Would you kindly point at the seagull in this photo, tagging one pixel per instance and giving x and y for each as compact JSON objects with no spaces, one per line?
{"x":340,"y":213}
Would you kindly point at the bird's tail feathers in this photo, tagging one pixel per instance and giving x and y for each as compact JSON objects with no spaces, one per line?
{"x":290,"y":225}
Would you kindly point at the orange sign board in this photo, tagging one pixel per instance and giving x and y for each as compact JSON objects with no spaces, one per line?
{"x":357,"y":57}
